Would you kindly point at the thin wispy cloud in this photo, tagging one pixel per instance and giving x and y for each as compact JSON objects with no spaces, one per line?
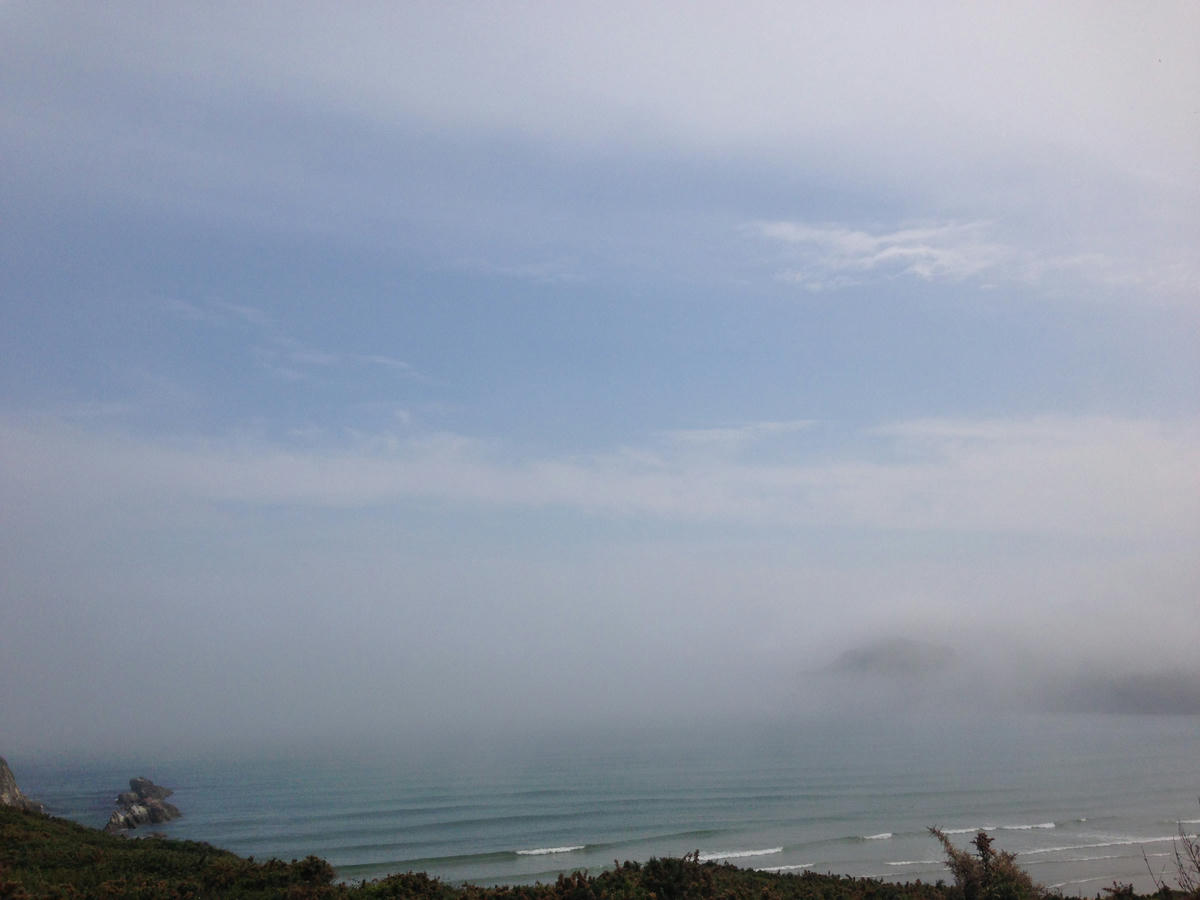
{"x":251,"y":315}
{"x":272,"y":349}
{"x":1163,"y":276}
{"x":388,"y":362}
{"x":828,"y":257}
{"x":538,"y":272}
{"x":733,"y":437}
{"x":1038,"y":476}
{"x":219,"y":313}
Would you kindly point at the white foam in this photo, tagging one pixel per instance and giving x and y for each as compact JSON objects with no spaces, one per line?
{"x":1062,"y":884}
{"x":1094,"y":858}
{"x":882,"y":836}
{"x":1027,"y":827}
{"x":784,"y":868}
{"x":971,"y":830}
{"x":542,"y":851}
{"x":915,"y":862}
{"x":1122,"y":843}
{"x":738,"y":854}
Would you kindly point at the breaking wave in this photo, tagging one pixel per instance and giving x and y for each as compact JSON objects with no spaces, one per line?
{"x":543,"y":851}
{"x":882,"y":836}
{"x":784,"y":868}
{"x":1058,"y":885}
{"x":1121,"y":843}
{"x":737,"y":854}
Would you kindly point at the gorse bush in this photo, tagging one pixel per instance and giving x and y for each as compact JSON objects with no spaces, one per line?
{"x":988,"y":874}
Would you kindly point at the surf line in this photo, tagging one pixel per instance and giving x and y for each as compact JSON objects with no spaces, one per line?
{"x":543,"y":851}
{"x":737,"y":854}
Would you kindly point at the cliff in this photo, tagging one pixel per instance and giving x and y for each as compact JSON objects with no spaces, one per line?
{"x":10,"y":794}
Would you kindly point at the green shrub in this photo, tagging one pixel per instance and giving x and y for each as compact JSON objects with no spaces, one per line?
{"x":988,"y":875}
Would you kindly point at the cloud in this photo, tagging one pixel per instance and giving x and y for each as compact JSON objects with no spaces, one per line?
{"x":1169,"y":275}
{"x":546,"y":272}
{"x":279,"y":353}
{"x":1061,"y":123}
{"x":1062,"y":79}
{"x":834,"y":256}
{"x":250,"y":315}
{"x":1075,"y":477}
{"x":827,"y":257}
{"x":734,"y":437}
{"x":379,"y":359}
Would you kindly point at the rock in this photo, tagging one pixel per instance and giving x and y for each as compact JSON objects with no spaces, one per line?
{"x":10,"y":794}
{"x":148,"y":790}
{"x":144,"y":803}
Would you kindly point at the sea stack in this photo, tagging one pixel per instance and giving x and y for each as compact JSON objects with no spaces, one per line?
{"x":10,"y":794}
{"x":144,"y":803}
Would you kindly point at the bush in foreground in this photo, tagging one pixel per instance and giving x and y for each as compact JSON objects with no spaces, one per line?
{"x":988,"y":875}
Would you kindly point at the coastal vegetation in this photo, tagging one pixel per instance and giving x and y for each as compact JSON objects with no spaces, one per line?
{"x":42,"y":856}
{"x":988,"y":874}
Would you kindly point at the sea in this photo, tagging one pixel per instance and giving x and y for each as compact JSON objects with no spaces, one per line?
{"x":1082,"y":800}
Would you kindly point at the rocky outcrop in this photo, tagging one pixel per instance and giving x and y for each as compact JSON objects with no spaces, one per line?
{"x":145,"y":803}
{"x":10,"y":794}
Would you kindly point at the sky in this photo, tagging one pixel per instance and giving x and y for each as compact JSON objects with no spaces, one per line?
{"x":390,"y":369}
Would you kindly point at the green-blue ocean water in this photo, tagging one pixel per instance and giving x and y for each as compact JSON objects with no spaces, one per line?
{"x":1078,"y":798}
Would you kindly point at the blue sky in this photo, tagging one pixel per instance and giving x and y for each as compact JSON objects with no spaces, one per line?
{"x":427,"y":357}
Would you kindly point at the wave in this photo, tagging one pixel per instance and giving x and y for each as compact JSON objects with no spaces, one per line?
{"x":737,"y":854}
{"x":543,"y":851}
{"x":1129,"y":842}
{"x":1093,"y":858}
{"x":882,"y":836}
{"x":1058,"y":885}
{"x":975,"y":828}
{"x":915,"y":862}
{"x":784,"y":868}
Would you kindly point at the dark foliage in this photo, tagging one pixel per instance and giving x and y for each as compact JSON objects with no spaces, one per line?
{"x":41,"y":856}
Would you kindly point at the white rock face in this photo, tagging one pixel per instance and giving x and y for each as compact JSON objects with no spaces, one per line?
{"x":10,"y":794}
